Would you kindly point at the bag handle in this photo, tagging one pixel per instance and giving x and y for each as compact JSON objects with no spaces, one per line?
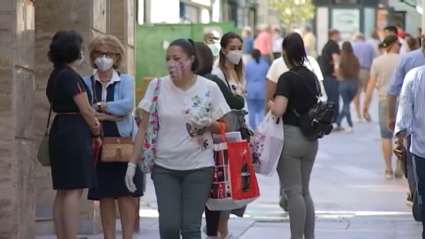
{"x":51,"y":102}
{"x":227,"y":81}
{"x":222,"y":131}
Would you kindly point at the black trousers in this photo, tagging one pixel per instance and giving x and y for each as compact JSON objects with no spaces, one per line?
{"x":212,"y":219}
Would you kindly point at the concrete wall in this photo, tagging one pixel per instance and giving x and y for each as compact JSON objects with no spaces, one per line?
{"x":17,"y":144}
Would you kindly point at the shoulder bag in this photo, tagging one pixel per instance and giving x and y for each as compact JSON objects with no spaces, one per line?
{"x":114,"y":149}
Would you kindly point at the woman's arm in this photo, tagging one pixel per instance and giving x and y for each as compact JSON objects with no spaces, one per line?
{"x":233,"y":100}
{"x":215,"y":126}
{"x":123,"y":106}
{"x":279,"y":105}
{"x":140,"y":139}
{"x":71,"y":85}
{"x":108,"y":117}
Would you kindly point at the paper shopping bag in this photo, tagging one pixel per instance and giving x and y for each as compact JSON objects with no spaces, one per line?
{"x":234,"y":183}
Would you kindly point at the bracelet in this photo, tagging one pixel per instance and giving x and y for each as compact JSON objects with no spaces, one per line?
{"x":95,"y":135}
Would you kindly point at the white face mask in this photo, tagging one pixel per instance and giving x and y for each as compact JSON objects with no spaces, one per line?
{"x":215,"y":48}
{"x":80,"y":61}
{"x":103,"y":63}
{"x":234,"y":56}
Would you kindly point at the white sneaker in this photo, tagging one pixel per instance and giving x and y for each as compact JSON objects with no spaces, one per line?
{"x":229,"y":236}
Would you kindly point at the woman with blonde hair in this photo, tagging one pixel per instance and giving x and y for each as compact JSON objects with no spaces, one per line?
{"x":113,"y":100}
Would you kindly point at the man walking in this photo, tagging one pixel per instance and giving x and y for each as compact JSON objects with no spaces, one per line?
{"x":380,"y":75}
{"x":407,"y":62}
{"x":411,"y":121}
{"x":392,"y":30}
{"x":365,"y":53}
{"x":330,"y":63}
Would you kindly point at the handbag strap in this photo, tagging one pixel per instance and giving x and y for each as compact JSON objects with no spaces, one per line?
{"x":317,"y":93}
{"x":51,"y":102}
{"x":227,"y":81}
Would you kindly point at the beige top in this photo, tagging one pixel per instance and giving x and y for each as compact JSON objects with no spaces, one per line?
{"x":383,"y":68}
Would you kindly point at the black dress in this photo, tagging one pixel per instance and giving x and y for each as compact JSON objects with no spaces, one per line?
{"x":111,"y":175}
{"x":70,"y":141}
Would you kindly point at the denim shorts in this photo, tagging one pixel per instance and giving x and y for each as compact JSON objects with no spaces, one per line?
{"x":382,"y":116}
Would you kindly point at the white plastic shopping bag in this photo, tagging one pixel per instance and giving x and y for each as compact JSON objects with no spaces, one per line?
{"x":266,"y":145}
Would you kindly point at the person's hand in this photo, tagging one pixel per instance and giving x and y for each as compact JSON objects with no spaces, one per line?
{"x":96,"y":128}
{"x":399,"y":148}
{"x":98,"y":140}
{"x":391,"y":124}
{"x":240,"y":90}
{"x":201,"y":123}
{"x":270,"y":104}
{"x":129,"y":175}
{"x":103,"y":106}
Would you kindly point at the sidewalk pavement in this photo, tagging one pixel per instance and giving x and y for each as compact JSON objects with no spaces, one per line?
{"x":360,"y":228}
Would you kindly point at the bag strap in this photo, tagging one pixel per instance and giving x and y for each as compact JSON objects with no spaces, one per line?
{"x":51,"y":102}
{"x":317,"y":93}
{"x":227,"y":81}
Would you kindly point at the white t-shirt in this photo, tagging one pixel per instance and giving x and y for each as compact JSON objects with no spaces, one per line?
{"x":279,"y":67}
{"x":180,"y":146}
{"x":404,"y":47}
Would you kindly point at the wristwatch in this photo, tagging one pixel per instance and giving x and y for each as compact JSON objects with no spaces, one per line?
{"x":99,"y":104}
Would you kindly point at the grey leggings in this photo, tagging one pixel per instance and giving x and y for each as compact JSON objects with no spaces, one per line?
{"x":294,"y":169}
{"x":181,"y":198}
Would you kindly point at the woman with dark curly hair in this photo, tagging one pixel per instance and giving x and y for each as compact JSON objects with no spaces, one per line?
{"x":71,"y":133}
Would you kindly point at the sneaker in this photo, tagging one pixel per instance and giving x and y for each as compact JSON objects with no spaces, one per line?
{"x":398,"y":172}
{"x":389,"y":174}
{"x":229,"y":236}
{"x":409,"y":200}
{"x":367,"y":117}
{"x":349,"y":130}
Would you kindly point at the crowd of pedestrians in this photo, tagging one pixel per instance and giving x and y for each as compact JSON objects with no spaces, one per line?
{"x":207,"y":81}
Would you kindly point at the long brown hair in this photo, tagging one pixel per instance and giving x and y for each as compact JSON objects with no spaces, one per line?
{"x":349,"y":64}
{"x":239,"y":68}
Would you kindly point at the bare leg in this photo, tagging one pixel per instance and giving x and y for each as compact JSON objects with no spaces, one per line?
{"x":387,"y":150}
{"x":223,"y":228}
{"x":71,"y":212}
{"x":107,"y":216}
{"x":127,"y":208}
{"x":57,"y":212}
{"x":356,"y":102}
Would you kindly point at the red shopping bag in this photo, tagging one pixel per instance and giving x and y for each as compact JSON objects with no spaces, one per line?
{"x":235,"y":183}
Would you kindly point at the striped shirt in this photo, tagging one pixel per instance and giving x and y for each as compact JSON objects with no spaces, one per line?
{"x":411,"y":110}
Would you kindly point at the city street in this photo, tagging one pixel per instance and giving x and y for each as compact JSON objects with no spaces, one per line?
{"x":352,"y":198}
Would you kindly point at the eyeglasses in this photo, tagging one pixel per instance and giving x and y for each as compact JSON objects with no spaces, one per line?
{"x":107,"y":54}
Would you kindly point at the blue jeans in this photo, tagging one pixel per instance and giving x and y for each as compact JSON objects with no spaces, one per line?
{"x":347,"y":89}
{"x":419,"y":166}
{"x":255,"y":112}
{"x":331,"y":85}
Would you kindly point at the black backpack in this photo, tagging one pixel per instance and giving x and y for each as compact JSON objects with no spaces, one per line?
{"x":317,"y":121}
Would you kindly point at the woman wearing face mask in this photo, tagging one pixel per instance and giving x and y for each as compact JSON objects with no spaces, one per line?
{"x":113,"y":99}
{"x":231,"y":71}
{"x":189,"y":110}
{"x":235,"y":101}
{"x":71,"y":133}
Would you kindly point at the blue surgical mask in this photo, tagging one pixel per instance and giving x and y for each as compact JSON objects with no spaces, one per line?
{"x":215,"y":48}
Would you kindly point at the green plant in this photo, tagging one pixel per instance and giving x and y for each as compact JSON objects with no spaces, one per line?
{"x":292,"y":13}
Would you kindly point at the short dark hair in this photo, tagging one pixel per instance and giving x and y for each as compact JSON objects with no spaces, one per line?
{"x":205,"y":58}
{"x":332,"y":32}
{"x":392,"y":29}
{"x":65,"y":47}
{"x":188,"y":47}
{"x":293,"y":46}
{"x":256,"y":55}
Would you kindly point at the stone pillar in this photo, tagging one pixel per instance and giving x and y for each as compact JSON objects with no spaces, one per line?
{"x":17,"y":144}
{"x":122,"y":25}
{"x":89,"y":18}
